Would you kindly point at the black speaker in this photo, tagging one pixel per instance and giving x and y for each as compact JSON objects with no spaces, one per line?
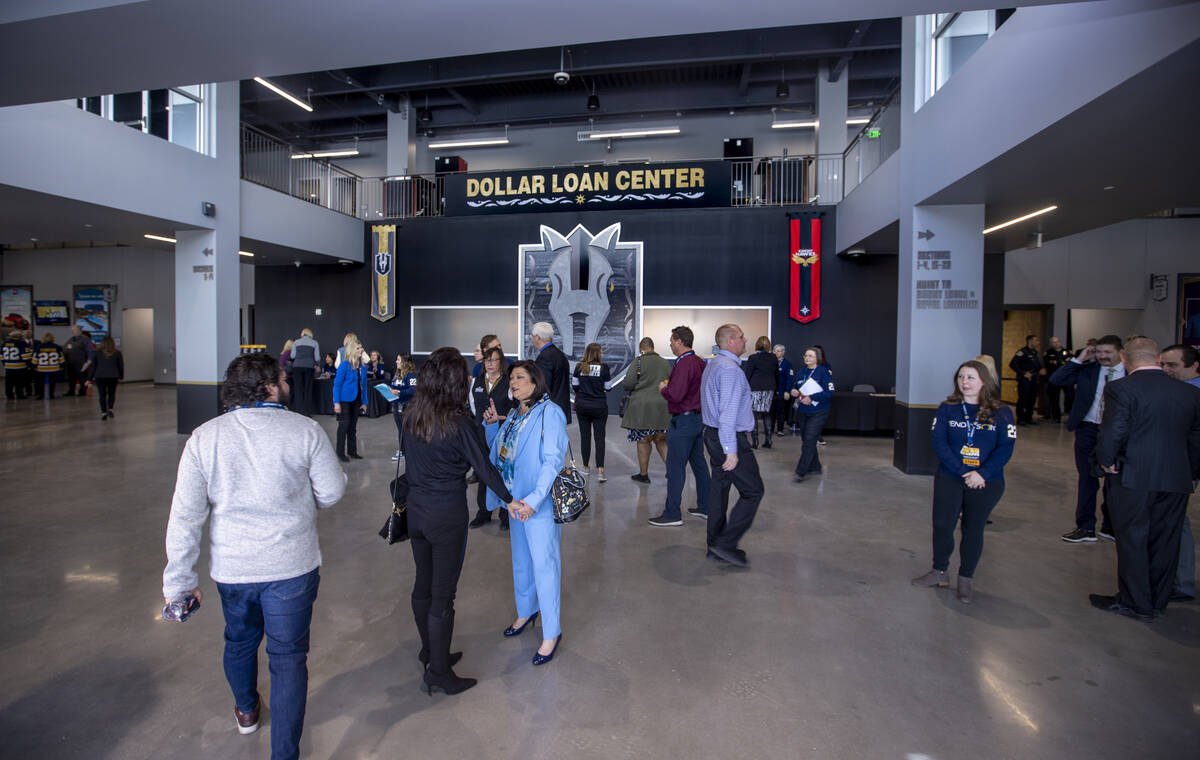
{"x":449,"y":164}
{"x":739,"y":147}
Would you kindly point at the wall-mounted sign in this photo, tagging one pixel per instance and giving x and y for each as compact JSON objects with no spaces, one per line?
{"x":625,"y":186}
{"x":382,"y":256}
{"x":91,"y":310}
{"x":804,"y":270}
{"x":52,"y":313}
{"x":17,"y":301}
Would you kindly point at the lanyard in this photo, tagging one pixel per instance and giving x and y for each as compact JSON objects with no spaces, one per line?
{"x":259,"y":405}
{"x":971,"y":426}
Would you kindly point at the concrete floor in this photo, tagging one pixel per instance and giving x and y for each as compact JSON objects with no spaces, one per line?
{"x":821,"y":650}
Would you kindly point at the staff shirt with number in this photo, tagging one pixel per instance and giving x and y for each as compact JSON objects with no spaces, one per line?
{"x":994,"y":440}
{"x":13,"y":353}
{"x":48,"y":358}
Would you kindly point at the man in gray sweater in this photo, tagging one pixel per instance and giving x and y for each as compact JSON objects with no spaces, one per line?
{"x":261,"y":472}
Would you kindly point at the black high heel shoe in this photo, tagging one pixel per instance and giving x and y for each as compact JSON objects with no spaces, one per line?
{"x":542,"y":659}
{"x":447,"y":682}
{"x":510,"y":631}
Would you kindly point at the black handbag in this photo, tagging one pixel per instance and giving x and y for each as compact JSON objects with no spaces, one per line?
{"x":395,"y":530}
{"x":624,"y":403}
{"x":568,"y":492}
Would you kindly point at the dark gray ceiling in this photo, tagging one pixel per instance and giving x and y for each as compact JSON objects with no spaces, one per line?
{"x":686,"y":74}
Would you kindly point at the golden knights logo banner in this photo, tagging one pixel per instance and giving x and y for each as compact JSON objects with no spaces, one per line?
{"x":383,"y":271}
{"x":804,"y":269}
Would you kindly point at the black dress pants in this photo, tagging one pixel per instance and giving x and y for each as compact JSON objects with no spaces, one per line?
{"x":952,"y":498}
{"x":1089,"y":485}
{"x":347,"y":430}
{"x":1054,"y":394}
{"x":722,"y":532}
{"x":14,"y":383}
{"x":1147,"y":526}
{"x":1027,"y":388}
{"x":591,"y":424}
{"x":811,"y":426}
{"x":302,"y":391}
{"x":106,"y":391}
{"x":779,"y":413}
{"x":438,"y":546}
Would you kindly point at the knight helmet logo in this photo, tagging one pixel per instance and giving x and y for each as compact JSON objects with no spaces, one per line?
{"x":580,"y":277}
{"x":383,"y":263}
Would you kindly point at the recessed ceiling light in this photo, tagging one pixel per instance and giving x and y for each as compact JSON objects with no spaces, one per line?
{"x":1110,"y":187}
{"x":85,"y":224}
{"x":34,"y":239}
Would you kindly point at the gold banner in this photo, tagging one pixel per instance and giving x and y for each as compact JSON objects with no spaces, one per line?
{"x":383,"y":268}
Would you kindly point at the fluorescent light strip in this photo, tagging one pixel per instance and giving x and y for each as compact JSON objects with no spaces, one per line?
{"x":283,"y":94}
{"x":327,"y":154}
{"x":1011,"y":222}
{"x":470,"y":143}
{"x":159,"y":237}
{"x":634,"y":133}
{"x":792,"y":124}
{"x":245,"y":253}
{"x":860,"y":120}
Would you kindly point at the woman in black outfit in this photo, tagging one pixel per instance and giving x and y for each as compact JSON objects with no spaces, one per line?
{"x":762,"y":370}
{"x":108,"y":367}
{"x":441,"y":442}
{"x":591,"y":380}
{"x":490,"y":391}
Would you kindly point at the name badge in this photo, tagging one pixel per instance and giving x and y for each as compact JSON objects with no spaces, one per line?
{"x":970,"y":455}
{"x":503,"y":452}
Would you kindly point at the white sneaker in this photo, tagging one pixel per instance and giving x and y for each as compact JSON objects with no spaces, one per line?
{"x":396,"y":456}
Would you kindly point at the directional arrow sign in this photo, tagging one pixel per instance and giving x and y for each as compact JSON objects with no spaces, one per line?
{"x":925,"y":235}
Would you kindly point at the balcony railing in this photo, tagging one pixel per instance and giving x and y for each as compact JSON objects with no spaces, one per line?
{"x":877,"y":141}
{"x":755,"y":182}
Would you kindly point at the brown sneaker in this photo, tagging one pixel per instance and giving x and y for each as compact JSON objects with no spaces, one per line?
{"x":964,"y":590}
{"x":939,"y":578}
{"x":247,"y":723}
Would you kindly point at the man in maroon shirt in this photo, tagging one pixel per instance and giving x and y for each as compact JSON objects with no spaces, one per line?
{"x":685,"y":442}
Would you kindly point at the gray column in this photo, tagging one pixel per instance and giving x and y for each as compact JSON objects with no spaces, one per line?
{"x":831,"y":134}
{"x":939,"y":319}
{"x":401,"y":139}
{"x":207,"y":280}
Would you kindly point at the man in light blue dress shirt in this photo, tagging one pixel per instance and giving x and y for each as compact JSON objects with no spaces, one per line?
{"x":725,"y":410}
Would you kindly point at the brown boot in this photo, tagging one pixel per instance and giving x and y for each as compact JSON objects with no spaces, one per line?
{"x":964,"y":590}
{"x":939,"y":578}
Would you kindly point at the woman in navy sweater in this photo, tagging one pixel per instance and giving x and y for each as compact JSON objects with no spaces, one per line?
{"x":812,"y":410}
{"x":973,"y":437}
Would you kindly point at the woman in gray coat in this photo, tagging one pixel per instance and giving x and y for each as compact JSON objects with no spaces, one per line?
{"x":646,"y":418}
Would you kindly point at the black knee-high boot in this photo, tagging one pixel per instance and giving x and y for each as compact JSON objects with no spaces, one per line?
{"x":440,"y":675}
{"x":420,"y":608}
{"x":766,"y":420}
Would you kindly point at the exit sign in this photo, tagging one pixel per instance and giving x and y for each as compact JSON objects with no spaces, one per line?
{"x":873,"y":134}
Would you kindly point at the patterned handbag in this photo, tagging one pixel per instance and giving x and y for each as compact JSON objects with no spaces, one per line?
{"x":568,"y":492}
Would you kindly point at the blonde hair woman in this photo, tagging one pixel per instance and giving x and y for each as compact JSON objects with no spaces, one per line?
{"x":350,"y":399}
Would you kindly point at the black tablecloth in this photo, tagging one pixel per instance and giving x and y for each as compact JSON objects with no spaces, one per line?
{"x":863,"y":412}
{"x":377,"y":406}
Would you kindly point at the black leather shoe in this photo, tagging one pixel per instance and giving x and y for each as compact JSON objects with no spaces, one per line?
{"x":343,"y":457}
{"x":1177,"y":596}
{"x":639,"y":478}
{"x":734,"y":557}
{"x":1110,"y":604}
{"x":355,"y":456}
{"x":483,"y":518}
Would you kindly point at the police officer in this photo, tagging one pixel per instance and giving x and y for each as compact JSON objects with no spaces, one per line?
{"x":1055,"y":357}
{"x":1028,"y":365}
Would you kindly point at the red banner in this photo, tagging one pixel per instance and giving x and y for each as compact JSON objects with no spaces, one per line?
{"x":805,"y":270}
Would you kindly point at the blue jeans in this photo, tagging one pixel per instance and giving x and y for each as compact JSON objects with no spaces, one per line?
{"x":283,"y":610}
{"x":685,"y":445}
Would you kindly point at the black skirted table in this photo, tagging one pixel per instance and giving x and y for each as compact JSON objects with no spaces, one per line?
{"x":377,"y":405}
{"x":862,"y":412}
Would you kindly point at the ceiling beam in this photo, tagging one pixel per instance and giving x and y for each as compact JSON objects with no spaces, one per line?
{"x":744,"y":84}
{"x":469,"y":104}
{"x":856,"y":38}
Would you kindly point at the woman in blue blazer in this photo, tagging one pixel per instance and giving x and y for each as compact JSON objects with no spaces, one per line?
{"x":350,"y":400}
{"x":812,"y":411}
{"x":528,"y":450}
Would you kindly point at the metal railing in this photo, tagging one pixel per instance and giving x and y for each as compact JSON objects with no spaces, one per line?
{"x":877,"y":141}
{"x":267,"y":161}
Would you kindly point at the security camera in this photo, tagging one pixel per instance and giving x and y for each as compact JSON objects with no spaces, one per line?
{"x":561,"y":77}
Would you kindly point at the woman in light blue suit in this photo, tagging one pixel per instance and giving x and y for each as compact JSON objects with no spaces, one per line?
{"x":528,"y":450}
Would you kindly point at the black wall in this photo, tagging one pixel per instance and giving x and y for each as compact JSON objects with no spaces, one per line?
{"x":726,"y":256}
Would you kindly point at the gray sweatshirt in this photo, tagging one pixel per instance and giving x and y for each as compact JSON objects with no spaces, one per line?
{"x":306,"y":353}
{"x":262,"y":473}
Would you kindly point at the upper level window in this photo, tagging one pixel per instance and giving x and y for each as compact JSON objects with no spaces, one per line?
{"x":944,"y":42}
{"x":177,"y":114}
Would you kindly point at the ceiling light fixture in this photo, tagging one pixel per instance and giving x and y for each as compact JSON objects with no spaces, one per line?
{"x":593,"y":102}
{"x":1011,"y":222}
{"x":652,"y":132}
{"x":327,"y":154}
{"x":246,"y":253}
{"x":159,"y":237}
{"x":858,"y":120}
{"x":793,"y":124}
{"x":782,"y":90}
{"x":472,"y":142}
{"x":283,"y":93}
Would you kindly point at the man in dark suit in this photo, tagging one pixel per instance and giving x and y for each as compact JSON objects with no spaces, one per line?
{"x":1150,"y":447}
{"x":1097,"y":365}
{"x":554,"y":364}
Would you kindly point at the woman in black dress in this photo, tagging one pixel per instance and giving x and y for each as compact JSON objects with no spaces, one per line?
{"x":592,"y":380}
{"x":490,"y":391}
{"x":762,"y":371}
{"x":441,"y":442}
